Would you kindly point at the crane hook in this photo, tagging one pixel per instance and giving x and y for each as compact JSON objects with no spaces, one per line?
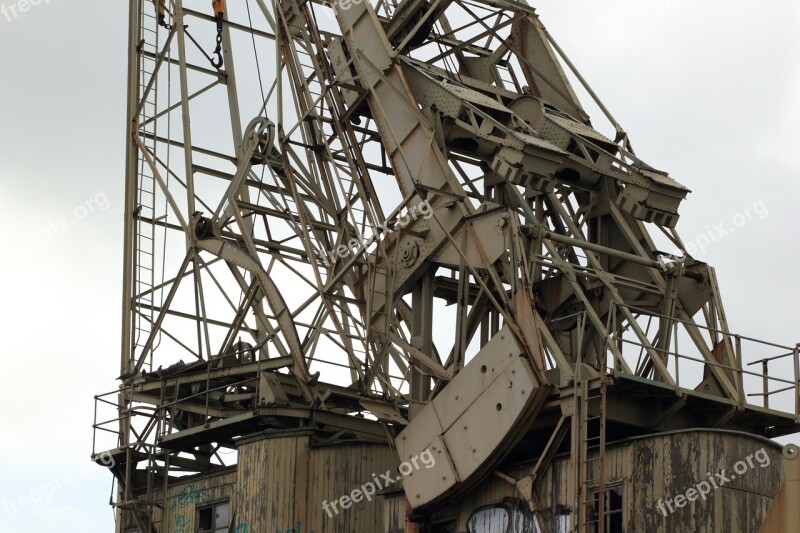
{"x":218,"y":60}
{"x":219,"y":13}
{"x":162,"y":14}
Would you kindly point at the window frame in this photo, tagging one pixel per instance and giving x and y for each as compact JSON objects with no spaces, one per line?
{"x":609,"y":513}
{"x":213,"y":506}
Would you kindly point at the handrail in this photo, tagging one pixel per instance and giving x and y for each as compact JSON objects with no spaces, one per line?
{"x":740,"y":372}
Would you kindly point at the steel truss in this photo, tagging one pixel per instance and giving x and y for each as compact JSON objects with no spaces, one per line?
{"x":327,"y":229}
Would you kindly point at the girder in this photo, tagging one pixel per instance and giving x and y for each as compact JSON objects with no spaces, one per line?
{"x":364,"y":209}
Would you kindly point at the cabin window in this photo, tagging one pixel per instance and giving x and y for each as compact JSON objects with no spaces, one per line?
{"x":509,"y":517}
{"x":214,"y":518}
{"x":493,"y":519}
{"x":613,"y":510}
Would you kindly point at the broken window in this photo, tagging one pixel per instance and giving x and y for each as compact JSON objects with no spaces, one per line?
{"x":494,"y":519}
{"x":613,"y":510}
{"x":214,"y":518}
{"x":511,"y":516}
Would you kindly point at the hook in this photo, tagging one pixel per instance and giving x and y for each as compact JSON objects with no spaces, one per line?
{"x":218,"y":61}
{"x":161,"y":9}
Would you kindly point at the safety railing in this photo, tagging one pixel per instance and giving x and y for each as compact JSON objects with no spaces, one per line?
{"x":795,"y":385}
{"x":107,"y":426}
{"x":777,"y":375}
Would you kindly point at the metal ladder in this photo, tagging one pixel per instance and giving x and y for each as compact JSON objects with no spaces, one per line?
{"x":146,"y":185}
{"x":591,"y":431}
{"x":144,"y":267}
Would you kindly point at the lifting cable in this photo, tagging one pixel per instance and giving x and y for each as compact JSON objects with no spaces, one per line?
{"x":255,"y":55}
{"x":263,"y":99}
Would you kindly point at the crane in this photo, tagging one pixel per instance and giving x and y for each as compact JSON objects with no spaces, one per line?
{"x":397,"y":222}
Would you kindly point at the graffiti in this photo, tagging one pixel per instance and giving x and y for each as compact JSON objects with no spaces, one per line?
{"x":299,"y":529}
{"x":189,"y":494}
{"x":511,"y":515}
{"x":183,"y":524}
{"x":241,"y":527}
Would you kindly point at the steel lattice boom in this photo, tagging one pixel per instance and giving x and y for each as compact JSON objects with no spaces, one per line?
{"x":397,"y":222}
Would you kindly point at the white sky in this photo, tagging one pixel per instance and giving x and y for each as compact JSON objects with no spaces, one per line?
{"x":707,"y":90}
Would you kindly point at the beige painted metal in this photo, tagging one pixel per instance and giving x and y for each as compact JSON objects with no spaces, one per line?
{"x":546,"y":79}
{"x":532,"y":244}
{"x":784,"y":516}
{"x":467,"y":426}
{"x":283,"y":480}
{"x":242,"y":259}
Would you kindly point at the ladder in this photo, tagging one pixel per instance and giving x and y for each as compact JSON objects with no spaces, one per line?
{"x":144,"y":270}
{"x":592,"y":495}
{"x":589,"y":430}
{"x":144,"y":264}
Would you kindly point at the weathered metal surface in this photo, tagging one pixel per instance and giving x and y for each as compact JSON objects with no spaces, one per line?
{"x":417,"y":142}
{"x":284,"y":483}
{"x":646,"y":470}
{"x":467,"y":426}
{"x":784,"y":515}
{"x":178,"y":511}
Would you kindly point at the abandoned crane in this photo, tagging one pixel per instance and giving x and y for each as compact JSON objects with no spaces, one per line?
{"x":358,"y":233}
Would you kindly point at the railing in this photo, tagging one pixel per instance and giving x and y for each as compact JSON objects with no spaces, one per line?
{"x":166,"y":399}
{"x":112,"y":426}
{"x":766,"y":393}
{"x":773,"y":384}
{"x":102,"y":427}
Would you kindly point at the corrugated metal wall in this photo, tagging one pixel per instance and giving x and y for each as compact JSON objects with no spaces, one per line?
{"x":271,"y":483}
{"x":183,"y":500}
{"x":282,"y":484}
{"x":680,"y":461}
{"x":650,"y":469}
{"x":279,"y":486}
{"x":338,"y":470}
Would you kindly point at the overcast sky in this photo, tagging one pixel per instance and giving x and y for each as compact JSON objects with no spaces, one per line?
{"x":708,"y":90}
